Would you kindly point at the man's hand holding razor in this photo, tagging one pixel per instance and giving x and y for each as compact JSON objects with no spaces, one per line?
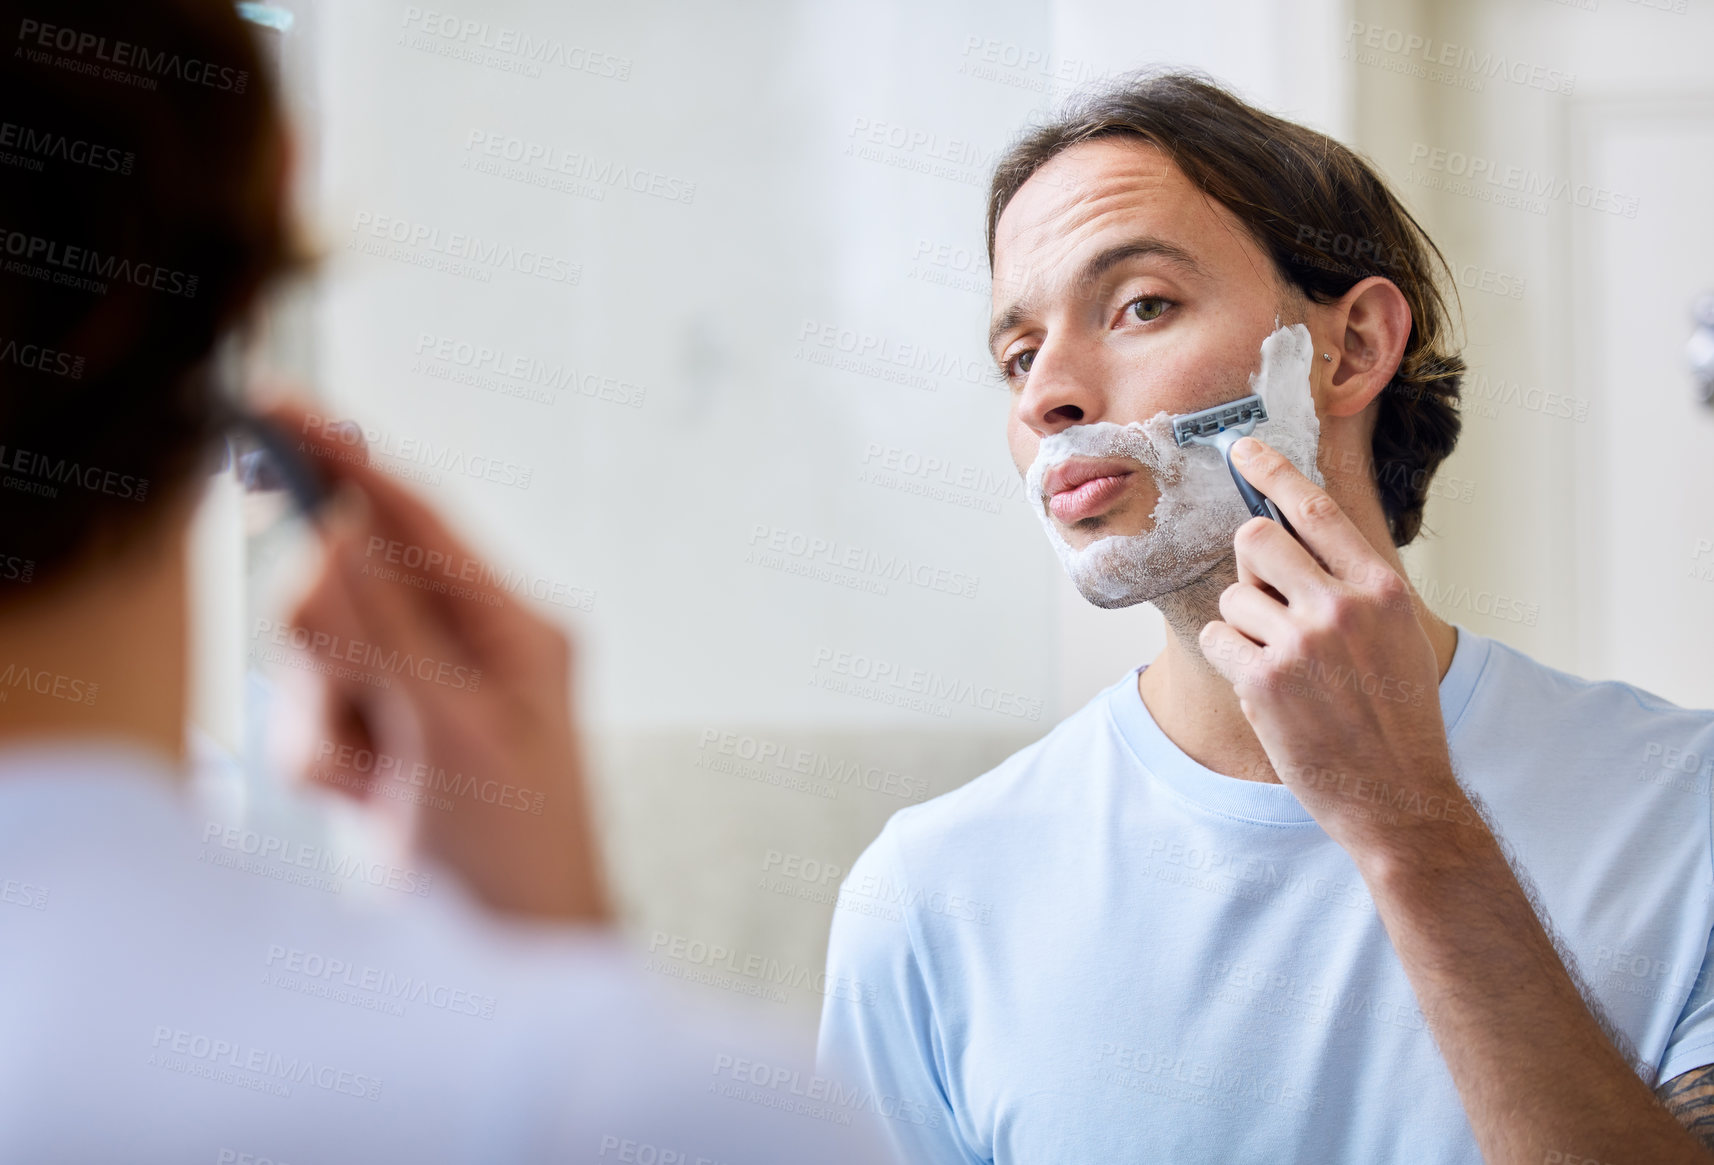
{"x":1321,"y":642}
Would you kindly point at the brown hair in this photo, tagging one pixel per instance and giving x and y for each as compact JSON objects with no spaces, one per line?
{"x":141,"y":214}
{"x":1323,"y":214}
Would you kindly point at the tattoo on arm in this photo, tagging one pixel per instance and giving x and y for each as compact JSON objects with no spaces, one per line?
{"x":1690,"y":1098}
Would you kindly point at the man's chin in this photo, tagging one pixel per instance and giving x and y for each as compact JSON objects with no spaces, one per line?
{"x":1189,"y":608}
{"x":1112,"y":581}
{"x":1081,"y":539}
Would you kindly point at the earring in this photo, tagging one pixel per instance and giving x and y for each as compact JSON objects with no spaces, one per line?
{"x":1327,"y":356}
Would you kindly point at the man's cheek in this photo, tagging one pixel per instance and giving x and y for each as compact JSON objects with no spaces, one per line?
{"x":1022,"y":441}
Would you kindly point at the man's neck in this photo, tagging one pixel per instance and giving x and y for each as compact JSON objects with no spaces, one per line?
{"x":1197,"y":710}
{"x":99,"y":654}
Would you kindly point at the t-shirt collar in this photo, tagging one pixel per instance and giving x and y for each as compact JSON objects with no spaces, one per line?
{"x":1263,"y":803}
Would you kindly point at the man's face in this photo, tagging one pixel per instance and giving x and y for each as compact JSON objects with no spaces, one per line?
{"x":1121,"y":291}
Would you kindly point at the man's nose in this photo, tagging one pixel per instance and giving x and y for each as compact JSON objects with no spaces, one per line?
{"x":1061,"y":390}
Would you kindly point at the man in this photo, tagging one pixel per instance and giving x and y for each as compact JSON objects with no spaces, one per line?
{"x":1290,"y":892}
{"x":180,"y":983}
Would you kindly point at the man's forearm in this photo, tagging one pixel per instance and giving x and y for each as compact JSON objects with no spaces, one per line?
{"x":1536,"y":1074}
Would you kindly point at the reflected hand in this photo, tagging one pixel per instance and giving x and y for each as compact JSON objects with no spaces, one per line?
{"x":464,"y":690}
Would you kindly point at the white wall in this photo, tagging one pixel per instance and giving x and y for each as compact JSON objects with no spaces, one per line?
{"x":1583,"y":528}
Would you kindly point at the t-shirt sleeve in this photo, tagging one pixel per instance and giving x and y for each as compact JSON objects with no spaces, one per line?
{"x":1691,"y":1044}
{"x":879,"y":1032}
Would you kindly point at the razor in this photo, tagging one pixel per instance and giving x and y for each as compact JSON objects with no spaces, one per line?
{"x":1219,"y":428}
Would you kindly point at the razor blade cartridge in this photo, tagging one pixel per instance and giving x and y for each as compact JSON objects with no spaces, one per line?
{"x":1242,"y":415}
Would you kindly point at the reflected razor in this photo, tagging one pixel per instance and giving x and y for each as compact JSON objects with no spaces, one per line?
{"x":1219,"y":428}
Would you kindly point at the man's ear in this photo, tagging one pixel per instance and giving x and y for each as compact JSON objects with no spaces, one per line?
{"x":1365,"y":331}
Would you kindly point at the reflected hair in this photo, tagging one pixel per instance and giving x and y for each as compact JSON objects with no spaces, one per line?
{"x":149,"y":219}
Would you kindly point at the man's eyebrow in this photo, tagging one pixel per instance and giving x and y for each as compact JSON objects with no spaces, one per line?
{"x":1097,"y":266}
{"x":1172,"y":253}
{"x":1020,"y":311}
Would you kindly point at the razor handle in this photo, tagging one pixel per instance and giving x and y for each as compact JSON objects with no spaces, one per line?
{"x":1260,"y":506}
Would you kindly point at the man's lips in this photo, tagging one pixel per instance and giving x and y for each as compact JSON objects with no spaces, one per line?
{"x":1083,"y":487}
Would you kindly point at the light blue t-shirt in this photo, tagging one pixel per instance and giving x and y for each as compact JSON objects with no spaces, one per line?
{"x":1102,"y":951}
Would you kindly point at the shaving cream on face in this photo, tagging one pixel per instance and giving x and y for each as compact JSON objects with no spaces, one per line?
{"x":1199,"y":508}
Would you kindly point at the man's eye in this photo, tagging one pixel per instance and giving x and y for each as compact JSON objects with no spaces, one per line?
{"x":1150,"y":307}
{"x":1020,"y":364}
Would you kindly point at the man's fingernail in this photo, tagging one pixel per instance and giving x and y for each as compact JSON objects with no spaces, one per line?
{"x":1246,"y":449}
{"x":346,"y":512}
